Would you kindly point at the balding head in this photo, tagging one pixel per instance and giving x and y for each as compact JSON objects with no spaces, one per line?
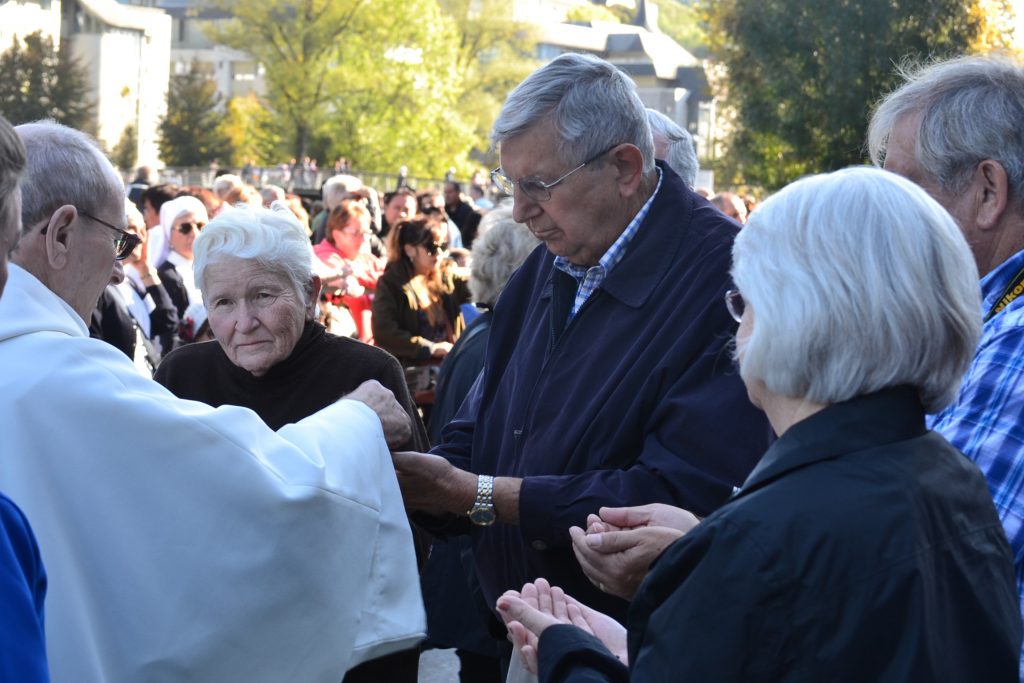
{"x":71,"y":196}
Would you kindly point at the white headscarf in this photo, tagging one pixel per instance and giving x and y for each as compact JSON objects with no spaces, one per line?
{"x":169,"y":212}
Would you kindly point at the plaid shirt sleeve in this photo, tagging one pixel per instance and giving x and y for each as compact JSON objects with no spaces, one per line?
{"x":986,"y":422}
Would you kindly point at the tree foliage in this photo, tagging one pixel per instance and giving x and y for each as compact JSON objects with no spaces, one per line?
{"x":41,"y":82}
{"x":803,"y":76}
{"x":192,"y":132}
{"x":386,"y":84}
{"x":125,"y":153}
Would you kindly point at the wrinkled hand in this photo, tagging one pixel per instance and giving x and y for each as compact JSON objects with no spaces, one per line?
{"x":432,"y":484}
{"x":529,"y":612}
{"x":396,"y":422}
{"x":617,"y":561}
{"x":655,"y":514}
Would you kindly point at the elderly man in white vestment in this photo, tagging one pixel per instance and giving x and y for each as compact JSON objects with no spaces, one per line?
{"x":182,"y":542}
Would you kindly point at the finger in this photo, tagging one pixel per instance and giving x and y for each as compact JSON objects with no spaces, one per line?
{"x":543,"y":595}
{"x":558,"y":604}
{"x":577,"y":619}
{"x":626,"y":517}
{"x":615,"y":541}
{"x":529,"y":657}
{"x":596,"y":573}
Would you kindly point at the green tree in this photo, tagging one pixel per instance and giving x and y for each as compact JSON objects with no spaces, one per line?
{"x":192,"y":132}
{"x":41,"y":82}
{"x":494,"y":54}
{"x":125,"y":152}
{"x":387,"y":83}
{"x":803,"y":76}
{"x":682,"y":22}
{"x":250,"y":128}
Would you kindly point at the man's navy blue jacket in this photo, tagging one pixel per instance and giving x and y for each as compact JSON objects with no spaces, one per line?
{"x":636,"y":400}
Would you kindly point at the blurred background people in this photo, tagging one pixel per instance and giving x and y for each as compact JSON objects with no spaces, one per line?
{"x":351,"y":271}
{"x":135,"y":314}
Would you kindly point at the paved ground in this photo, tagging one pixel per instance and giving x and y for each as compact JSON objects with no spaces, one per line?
{"x":439,"y":666}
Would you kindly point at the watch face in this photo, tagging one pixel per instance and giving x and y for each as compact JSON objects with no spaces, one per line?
{"x":483,"y":516}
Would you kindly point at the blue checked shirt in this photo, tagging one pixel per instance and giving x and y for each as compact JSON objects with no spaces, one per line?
{"x":590,"y":279}
{"x":986,"y":421}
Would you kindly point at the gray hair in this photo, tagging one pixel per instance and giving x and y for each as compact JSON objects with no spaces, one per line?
{"x":680,"y":155}
{"x":858,"y":281}
{"x":499,"y":249}
{"x":12,"y":162}
{"x":337,"y":187}
{"x":272,"y":237}
{"x":224,"y":184}
{"x":592,"y":105}
{"x":63,"y":166}
{"x":973,"y":109}
{"x":271,"y":194}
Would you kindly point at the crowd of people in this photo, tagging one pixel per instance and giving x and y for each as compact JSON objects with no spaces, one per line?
{"x":607,"y":429}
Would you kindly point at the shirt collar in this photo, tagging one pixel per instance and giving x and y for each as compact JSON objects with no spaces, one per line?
{"x":615,"y":252}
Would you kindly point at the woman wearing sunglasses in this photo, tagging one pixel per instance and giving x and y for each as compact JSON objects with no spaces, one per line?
{"x":416,"y":308}
{"x":181,"y":219}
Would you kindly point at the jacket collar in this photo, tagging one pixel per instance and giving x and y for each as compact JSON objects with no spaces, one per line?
{"x":886,"y":416}
{"x":654,"y":248}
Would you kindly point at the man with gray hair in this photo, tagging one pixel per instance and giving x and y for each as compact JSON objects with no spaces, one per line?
{"x":674,"y":145}
{"x":182,"y":541}
{"x":955,"y":128}
{"x":608,"y":379}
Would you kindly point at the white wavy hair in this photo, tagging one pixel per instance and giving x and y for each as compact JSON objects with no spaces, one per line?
{"x":272,"y":237}
{"x":858,"y":281}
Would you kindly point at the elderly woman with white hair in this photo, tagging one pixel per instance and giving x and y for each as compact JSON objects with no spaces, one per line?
{"x":862,"y":547}
{"x":254,"y":267}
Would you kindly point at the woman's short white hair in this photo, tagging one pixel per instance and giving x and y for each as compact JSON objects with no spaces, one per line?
{"x":272,"y":237}
{"x":499,"y":249}
{"x":858,"y":281}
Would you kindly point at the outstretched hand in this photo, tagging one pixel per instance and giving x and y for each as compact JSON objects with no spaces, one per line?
{"x":529,"y":612}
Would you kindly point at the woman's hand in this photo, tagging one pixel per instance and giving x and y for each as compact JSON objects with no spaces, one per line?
{"x":529,"y":612}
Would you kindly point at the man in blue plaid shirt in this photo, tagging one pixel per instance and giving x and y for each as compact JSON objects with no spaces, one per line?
{"x":957,"y":129}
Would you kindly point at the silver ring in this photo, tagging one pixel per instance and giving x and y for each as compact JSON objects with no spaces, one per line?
{"x":601,"y":586}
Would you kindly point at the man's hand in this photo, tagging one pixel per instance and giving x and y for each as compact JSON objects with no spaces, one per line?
{"x":617,"y":561}
{"x":396,"y":422}
{"x":432,"y":484}
{"x":529,"y":612}
{"x":655,"y":514}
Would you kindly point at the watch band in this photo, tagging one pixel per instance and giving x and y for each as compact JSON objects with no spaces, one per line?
{"x":482,"y":513}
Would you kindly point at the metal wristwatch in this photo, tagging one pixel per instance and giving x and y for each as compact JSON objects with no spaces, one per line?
{"x":482,"y":512}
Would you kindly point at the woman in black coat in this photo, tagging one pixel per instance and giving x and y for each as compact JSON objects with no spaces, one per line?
{"x":862,"y":547}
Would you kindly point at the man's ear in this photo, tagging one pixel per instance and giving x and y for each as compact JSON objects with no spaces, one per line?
{"x":992,"y":187}
{"x":58,"y":236}
{"x":315,"y":285}
{"x":629,"y":167}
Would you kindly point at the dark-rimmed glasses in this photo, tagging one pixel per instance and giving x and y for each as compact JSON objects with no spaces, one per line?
{"x":124,"y":243}
{"x":434,"y":247}
{"x":186,"y":228}
{"x":735,"y":304}
{"x":535,"y":188}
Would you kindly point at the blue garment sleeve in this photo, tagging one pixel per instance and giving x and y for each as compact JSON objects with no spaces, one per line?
{"x":566,"y":653}
{"x":22,"y":591}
